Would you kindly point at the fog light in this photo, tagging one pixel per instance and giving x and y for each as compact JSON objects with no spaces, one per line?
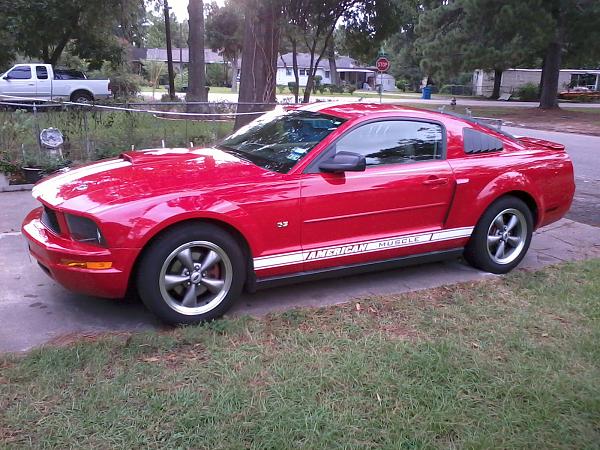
{"x":93,"y":265}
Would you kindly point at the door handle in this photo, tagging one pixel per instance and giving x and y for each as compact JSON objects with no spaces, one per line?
{"x":435,"y":181}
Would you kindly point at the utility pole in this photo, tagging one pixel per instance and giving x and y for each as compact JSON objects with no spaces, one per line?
{"x":169,"y":51}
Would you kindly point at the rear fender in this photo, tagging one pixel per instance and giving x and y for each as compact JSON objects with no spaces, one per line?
{"x":470,"y":203}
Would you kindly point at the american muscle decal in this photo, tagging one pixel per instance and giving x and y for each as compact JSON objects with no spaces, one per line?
{"x":337,"y":251}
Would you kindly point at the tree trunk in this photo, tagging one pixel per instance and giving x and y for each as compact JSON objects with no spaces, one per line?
{"x":311,"y":75}
{"x":295,"y":69}
{"x":497,"y":84}
{"x":169,"y":51}
{"x":333,"y":78}
{"x":552,"y":62}
{"x":314,"y":64}
{"x":196,"y":74}
{"x":259,"y":60}
{"x":541,"y":85}
{"x":234,"y":70}
{"x":53,"y":59}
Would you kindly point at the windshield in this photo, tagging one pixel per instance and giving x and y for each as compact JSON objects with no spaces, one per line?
{"x":278,"y":140}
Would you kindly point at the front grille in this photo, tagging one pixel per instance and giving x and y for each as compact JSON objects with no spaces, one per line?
{"x":50,"y":220}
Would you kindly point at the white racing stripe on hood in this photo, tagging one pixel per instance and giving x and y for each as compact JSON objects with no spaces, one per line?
{"x":53,"y":184}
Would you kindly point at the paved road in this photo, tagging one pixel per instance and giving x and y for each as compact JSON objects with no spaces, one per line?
{"x":35,"y":310}
{"x":395,"y":98}
{"x":585,"y":153}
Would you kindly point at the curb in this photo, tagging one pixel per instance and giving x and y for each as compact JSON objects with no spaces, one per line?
{"x":16,"y":187}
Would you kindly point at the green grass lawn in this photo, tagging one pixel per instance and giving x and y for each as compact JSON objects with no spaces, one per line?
{"x":511,"y":362}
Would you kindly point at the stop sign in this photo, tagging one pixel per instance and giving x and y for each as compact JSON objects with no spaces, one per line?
{"x":382,"y":64}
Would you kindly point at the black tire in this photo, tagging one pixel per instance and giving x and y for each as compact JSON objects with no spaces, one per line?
{"x":483,"y":251}
{"x":82,"y":97}
{"x":161,"y":265}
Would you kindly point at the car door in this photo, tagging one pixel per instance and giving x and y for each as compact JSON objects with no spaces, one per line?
{"x":403,"y":195}
{"x":43,"y":82}
{"x":19,"y":82}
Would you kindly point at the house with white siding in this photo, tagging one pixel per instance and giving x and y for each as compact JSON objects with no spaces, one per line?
{"x":512,"y":79}
{"x":349,"y":72}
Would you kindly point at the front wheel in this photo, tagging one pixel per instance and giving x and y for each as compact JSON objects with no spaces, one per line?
{"x":501,"y":237}
{"x":191,"y":273}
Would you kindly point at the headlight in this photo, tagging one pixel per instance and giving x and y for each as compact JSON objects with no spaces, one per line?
{"x":83,"y":229}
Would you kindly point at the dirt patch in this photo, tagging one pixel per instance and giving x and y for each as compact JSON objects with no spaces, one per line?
{"x":66,"y":340}
{"x":561,"y":120}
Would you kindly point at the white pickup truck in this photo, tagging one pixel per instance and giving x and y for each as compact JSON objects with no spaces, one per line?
{"x":44,"y":82}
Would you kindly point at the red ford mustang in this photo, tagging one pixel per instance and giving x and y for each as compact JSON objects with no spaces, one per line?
{"x":311,"y":191}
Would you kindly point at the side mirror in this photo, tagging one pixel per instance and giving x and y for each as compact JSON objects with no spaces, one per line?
{"x":344,"y":162}
{"x":6,"y":77}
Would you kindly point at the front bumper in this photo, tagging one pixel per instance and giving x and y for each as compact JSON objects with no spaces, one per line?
{"x":53,"y":251}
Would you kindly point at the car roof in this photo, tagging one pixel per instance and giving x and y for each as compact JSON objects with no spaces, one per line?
{"x":349,"y":110}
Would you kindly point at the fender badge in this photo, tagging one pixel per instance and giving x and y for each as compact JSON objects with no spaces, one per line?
{"x":282,"y":224}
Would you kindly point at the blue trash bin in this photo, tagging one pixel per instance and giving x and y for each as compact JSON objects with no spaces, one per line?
{"x":426,"y":93}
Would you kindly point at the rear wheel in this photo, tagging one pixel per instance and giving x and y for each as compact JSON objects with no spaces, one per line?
{"x":81,"y":97}
{"x":191,"y":274}
{"x":501,"y":237}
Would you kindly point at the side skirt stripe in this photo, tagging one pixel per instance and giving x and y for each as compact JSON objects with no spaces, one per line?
{"x":318,"y":254}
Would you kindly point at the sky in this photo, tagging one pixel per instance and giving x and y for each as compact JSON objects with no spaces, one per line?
{"x":180,"y":7}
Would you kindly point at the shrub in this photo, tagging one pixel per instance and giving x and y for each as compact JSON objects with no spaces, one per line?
{"x":293,"y":87}
{"x":123,"y":82}
{"x":215,"y":76}
{"x":7,"y":164}
{"x":167,"y":98}
{"x":335,"y":89}
{"x":528,"y":92}
{"x":181,"y":82}
{"x":317,"y":83}
{"x":402,"y":84}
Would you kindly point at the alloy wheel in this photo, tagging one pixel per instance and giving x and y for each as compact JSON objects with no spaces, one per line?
{"x":507,"y":236}
{"x":196,"y":277}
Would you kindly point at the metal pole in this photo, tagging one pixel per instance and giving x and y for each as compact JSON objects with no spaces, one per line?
{"x":169,"y":51}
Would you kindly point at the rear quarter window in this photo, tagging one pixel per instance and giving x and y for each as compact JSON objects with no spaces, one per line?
{"x":476,"y":142}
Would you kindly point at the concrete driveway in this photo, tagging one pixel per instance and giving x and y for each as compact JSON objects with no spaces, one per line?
{"x":34,"y":310}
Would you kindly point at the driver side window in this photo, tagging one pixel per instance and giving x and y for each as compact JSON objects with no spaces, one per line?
{"x":394,"y":142}
{"x":20,"y":73}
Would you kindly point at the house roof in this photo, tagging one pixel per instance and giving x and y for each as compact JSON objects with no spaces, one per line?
{"x":160,"y":54}
{"x":342,"y":62}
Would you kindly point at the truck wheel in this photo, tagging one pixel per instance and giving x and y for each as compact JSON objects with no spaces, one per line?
{"x":501,"y":237}
{"x":191,"y":273}
{"x":82,"y":97}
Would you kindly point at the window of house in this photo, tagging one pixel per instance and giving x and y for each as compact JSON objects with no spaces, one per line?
{"x":302,"y":72}
{"x":327,"y":74}
{"x":20,"y":73}
{"x":41,"y":73}
{"x":395,"y":142}
{"x":288,"y":72}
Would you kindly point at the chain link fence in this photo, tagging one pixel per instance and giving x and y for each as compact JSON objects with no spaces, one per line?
{"x":93,"y":132}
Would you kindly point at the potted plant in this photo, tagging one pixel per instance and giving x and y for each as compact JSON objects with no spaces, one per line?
{"x":8,"y":167}
{"x":34,"y":168}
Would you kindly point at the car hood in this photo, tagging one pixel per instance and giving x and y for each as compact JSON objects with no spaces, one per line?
{"x":143,"y":174}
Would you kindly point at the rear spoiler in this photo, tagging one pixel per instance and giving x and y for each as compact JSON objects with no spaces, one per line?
{"x":534,"y":142}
